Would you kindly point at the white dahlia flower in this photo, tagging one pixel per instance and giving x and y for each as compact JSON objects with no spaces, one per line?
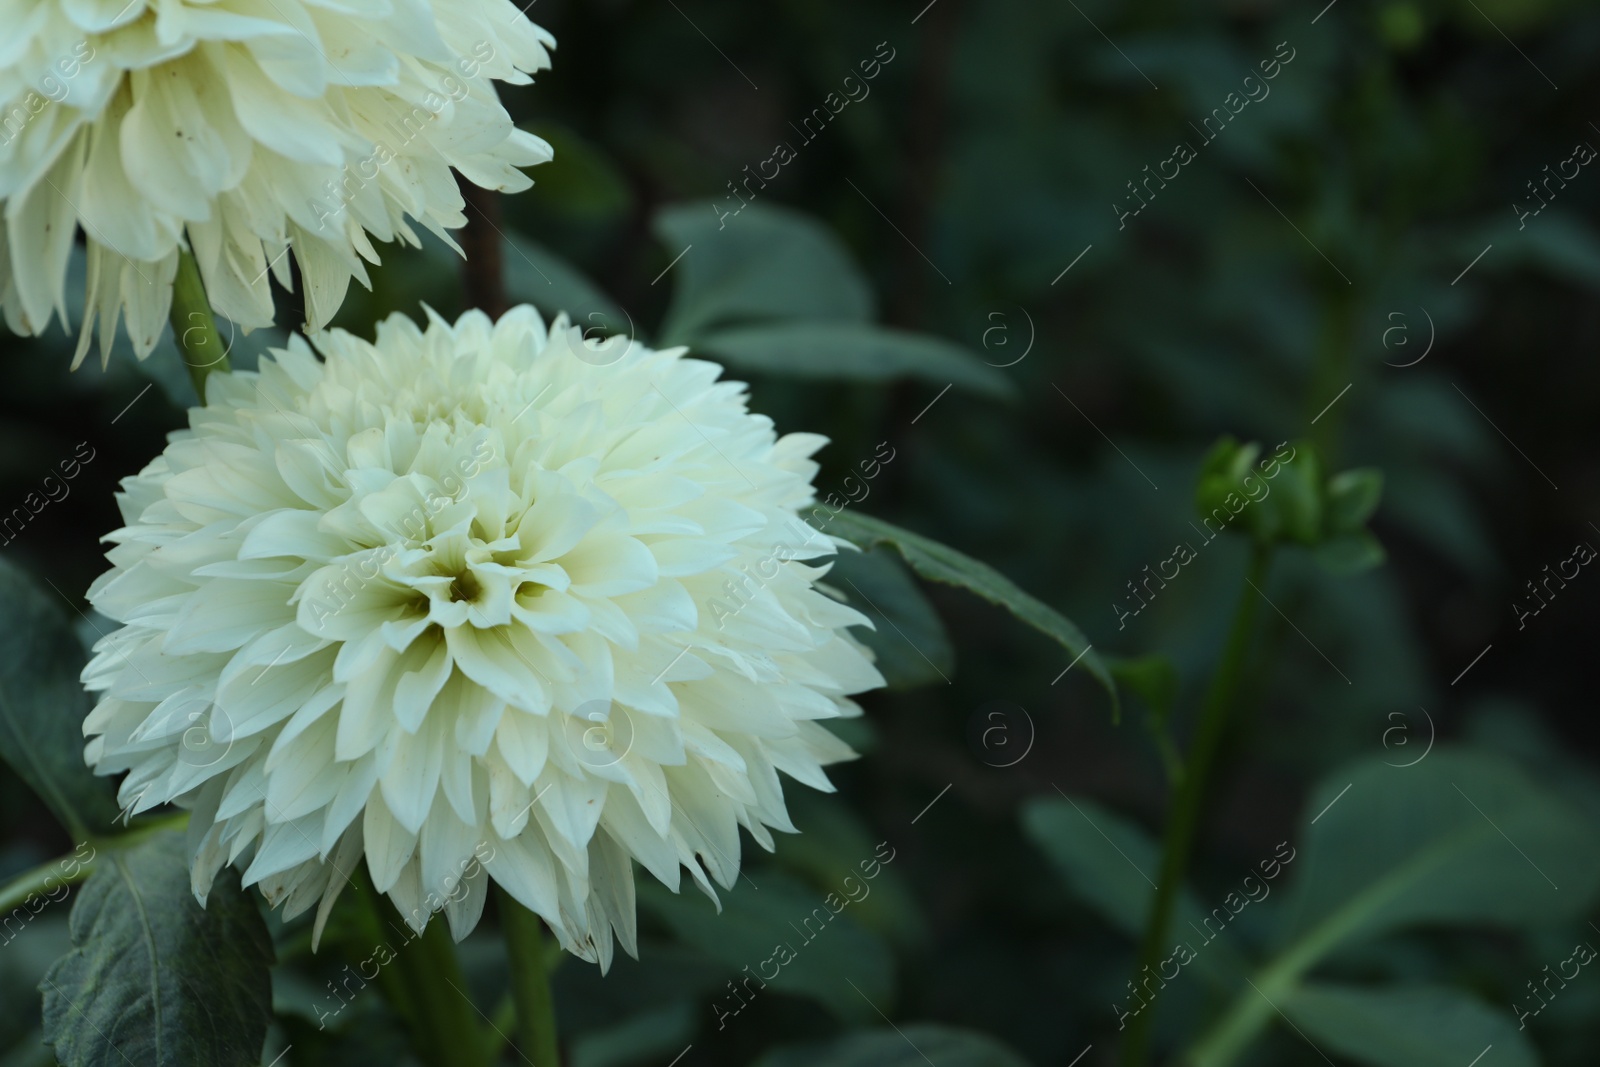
{"x":473,"y":602}
{"x":242,"y":129}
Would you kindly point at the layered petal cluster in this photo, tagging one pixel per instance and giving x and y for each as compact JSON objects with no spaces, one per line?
{"x":242,"y":129}
{"x":474,"y":602}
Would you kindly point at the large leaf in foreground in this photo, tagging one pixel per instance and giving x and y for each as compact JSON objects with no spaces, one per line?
{"x":1423,"y":1026}
{"x":42,"y":706}
{"x":913,"y":1045}
{"x":941,"y":563}
{"x":155,"y":979}
{"x":856,"y":352}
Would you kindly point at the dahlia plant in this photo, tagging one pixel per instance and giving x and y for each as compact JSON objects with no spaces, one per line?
{"x":474,"y":604}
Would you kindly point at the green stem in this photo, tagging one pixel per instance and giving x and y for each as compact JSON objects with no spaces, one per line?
{"x":530,"y":982}
{"x":194,"y":328}
{"x":16,"y":892}
{"x":38,"y":881}
{"x":503,"y":1019}
{"x":427,"y":988}
{"x":1183,"y":811}
{"x":1253,"y":1009}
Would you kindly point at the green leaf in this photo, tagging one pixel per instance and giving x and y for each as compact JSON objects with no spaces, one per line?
{"x":913,"y":1045}
{"x":941,"y":563}
{"x":155,"y":979}
{"x":764,"y":263}
{"x":1418,"y":1026}
{"x":1297,"y":495}
{"x":1353,"y":496}
{"x":826,"y":950}
{"x":910,"y":641}
{"x":537,"y":276}
{"x":1460,"y":837}
{"x":1350,"y":553}
{"x":855,"y":352}
{"x":1110,"y":864}
{"x":29,"y":952}
{"x":42,"y":707}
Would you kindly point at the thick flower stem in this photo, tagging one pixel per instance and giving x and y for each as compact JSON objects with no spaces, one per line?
{"x":530,"y":983}
{"x":1183,"y":810}
{"x":194,"y":328}
{"x":38,"y":881}
{"x":41,"y":881}
{"x":424,"y":983}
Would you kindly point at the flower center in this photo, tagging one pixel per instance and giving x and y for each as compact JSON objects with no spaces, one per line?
{"x":465,"y":587}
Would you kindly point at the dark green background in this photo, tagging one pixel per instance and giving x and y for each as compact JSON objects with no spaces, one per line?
{"x":996,"y":143}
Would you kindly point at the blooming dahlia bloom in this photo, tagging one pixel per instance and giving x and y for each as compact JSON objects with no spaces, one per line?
{"x":473,"y":602}
{"x":242,"y":129}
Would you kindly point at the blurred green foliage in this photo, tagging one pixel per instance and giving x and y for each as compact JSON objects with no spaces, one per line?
{"x":968,"y":222}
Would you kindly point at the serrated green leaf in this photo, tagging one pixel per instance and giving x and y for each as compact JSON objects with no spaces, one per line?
{"x":912,"y":1045}
{"x":824,"y":946}
{"x":1422,"y":1026}
{"x":855,"y":352}
{"x":764,"y":263}
{"x":155,"y":979}
{"x":42,"y":707}
{"x":910,"y":641}
{"x":941,"y":563}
